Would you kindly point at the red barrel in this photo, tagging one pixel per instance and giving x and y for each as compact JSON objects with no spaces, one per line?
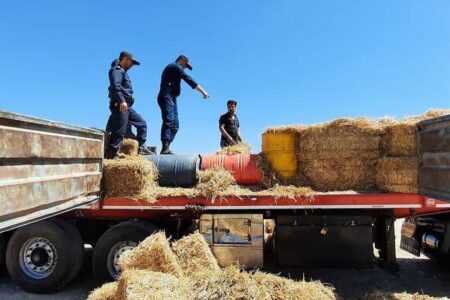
{"x":242,"y":166}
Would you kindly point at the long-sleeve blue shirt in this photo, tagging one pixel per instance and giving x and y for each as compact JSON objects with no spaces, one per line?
{"x":171,"y":79}
{"x":120,"y":88}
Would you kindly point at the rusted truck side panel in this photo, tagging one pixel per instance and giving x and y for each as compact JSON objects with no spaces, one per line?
{"x":433,"y":138}
{"x":46,"y":168}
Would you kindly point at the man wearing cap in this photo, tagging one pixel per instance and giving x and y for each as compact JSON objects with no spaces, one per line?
{"x":167,"y":98}
{"x":120,"y":104}
{"x":229,"y":126}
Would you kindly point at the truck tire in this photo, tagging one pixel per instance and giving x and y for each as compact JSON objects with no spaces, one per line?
{"x":77,"y":246}
{"x":2,"y":250}
{"x":116,"y":240}
{"x":39,"y":258}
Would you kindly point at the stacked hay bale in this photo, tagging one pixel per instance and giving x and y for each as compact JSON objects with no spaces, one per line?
{"x":397,"y":171}
{"x":340,"y":155}
{"x":132,"y":177}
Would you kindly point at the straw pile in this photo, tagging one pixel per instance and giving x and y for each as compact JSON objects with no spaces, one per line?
{"x":239,"y":148}
{"x":397,"y":174}
{"x":133,"y":177}
{"x":147,"y":285}
{"x":152,"y":254}
{"x":203,"y":278}
{"x":340,"y":155}
{"x":288,"y":191}
{"x":400,"y":136}
{"x":129,"y":147}
{"x":399,"y":296}
{"x":105,"y":292}
{"x":278,"y":288}
{"x":194,"y":255}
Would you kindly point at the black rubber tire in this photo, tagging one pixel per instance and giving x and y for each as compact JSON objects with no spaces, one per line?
{"x":77,"y":246}
{"x":2,"y":250}
{"x":57,"y":236}
{"x":133,"y":231}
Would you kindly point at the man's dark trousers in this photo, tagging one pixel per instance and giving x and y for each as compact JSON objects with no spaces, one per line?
{"x":118,"y":123}
{"x":169,"y":114}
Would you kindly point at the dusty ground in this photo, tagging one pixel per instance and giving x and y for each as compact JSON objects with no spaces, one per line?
{"x":420,"y":275}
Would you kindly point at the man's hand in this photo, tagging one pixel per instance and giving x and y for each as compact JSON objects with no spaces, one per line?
{"x":206,"y":96}
{"x":123,"y":107}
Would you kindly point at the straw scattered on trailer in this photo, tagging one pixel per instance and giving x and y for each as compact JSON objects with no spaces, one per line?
{"x":239,"y":148}
{"x":398,"y":174}
{"x":148,"y":285}
{"x":129,"y":147}
{"x":277,"y":288}
{"x":153,"y":254}
{"x":289,"y":191}
{"x":194,"y":255}
{"x":132,"y":177}
{"x":105,"y":292}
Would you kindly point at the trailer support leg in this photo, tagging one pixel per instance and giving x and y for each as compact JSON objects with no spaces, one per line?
{"x":385,"y":242}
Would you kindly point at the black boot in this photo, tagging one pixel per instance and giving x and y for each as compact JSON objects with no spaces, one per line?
{"x":165,"y":148}
{"x":143,"y":150}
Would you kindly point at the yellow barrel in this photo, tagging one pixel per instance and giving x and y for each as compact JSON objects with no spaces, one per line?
{"x":279,"y":149}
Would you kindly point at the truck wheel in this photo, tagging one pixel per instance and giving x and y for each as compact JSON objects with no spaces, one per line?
{"x":2,"y":250}
{"x":77,"y":246}
{"x":116,"y":240}
{"x":38,"y":257}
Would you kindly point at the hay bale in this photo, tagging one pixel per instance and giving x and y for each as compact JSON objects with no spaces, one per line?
{"x":340,"y":139}
{"x":105,"y":292}
{"x":279,"y":288}
{"x":239,"y":148}
{"x":397,"y":174}
{"x":227,"y":284}
{"x":152,"y":254}
{"x":194,"y":255}
{"x":342,"y":174}
{"x":132,"y":177}
{"x":129,"y":147}
{"x":400,"y":139}
{"x":296,"y":128}
{"x":148,"y":285}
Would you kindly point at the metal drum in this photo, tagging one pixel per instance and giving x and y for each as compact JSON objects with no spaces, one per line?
{"x":176,"y":170}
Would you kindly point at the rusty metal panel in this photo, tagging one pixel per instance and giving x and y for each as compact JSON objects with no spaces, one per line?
{"x":46,"y":167}
{"x":433,"y":138}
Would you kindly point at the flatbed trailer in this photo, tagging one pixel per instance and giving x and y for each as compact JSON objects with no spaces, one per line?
{"x":327,"y":229}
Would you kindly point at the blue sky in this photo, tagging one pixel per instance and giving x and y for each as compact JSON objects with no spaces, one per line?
{"x":285,"y":62}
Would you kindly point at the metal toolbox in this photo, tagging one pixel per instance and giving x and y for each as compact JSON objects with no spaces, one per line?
{"x":235,"y":238}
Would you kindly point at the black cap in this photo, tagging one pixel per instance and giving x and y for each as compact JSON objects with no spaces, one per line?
{"x":130,"y":56}
{"x":186,"y":59}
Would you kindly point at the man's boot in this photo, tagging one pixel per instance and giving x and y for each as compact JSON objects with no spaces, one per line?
{"x":143,"y":150}
{"x":165,"y":148}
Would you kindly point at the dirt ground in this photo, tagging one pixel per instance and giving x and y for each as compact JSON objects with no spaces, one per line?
{"x":417,"y":275}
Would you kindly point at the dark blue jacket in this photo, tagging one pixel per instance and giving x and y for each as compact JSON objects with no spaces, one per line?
{"x":171,"y":79}
{"x":120,"y":88}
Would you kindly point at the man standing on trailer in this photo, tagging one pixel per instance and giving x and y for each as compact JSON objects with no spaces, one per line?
{"x":167,"y":98}
{"x":120,"y":104}
{"x":229,"y":126}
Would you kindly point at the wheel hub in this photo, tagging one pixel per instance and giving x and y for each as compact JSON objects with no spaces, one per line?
{"x":38,"y":258}
{"x":114,"y":255}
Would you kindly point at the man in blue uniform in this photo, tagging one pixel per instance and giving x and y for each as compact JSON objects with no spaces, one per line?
{"x":167,"y":98}
{"x":229,"y":126}
{"x":120,"y":104}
